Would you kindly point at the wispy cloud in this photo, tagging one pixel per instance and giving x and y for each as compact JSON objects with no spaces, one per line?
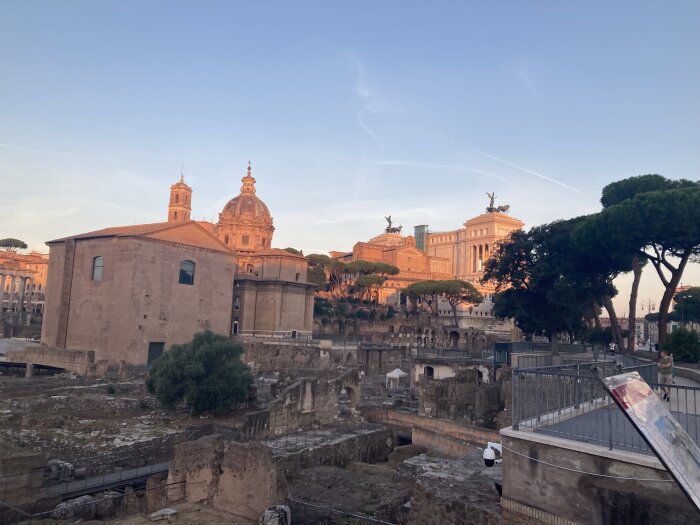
{"x":368,"y":130}
{"x":369,"y":102}
{"x":523,"y":169}
{"x":438,"y":166}
{"x":55,"y":152}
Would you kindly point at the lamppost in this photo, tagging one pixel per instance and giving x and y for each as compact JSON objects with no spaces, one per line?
{"x":683,"y":298}
{"x":650,"y":306}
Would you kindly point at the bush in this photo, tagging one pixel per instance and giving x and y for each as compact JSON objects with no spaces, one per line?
{"x":372,"y":315}
{"x":362,"y":314}
{"x":390,"y":312}
{"x":684,"y":345}
{"x":205,"y":374}
{"x":111,"y":390}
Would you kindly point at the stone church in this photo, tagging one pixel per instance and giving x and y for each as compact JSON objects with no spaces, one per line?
{"x":127,"y":293}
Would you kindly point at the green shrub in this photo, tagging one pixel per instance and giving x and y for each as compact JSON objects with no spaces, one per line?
{"x":362,"y":314}
{"x":684,"y":345}
{"x":205,"y":374}
{"x":111,"y":390}
{"x":373,"y":315}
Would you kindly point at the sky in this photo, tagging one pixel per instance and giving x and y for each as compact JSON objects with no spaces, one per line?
{"x":348,"y":111}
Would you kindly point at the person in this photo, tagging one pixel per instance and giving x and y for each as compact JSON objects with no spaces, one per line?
{"x":665,"y":366}
{"x":673,"y":369}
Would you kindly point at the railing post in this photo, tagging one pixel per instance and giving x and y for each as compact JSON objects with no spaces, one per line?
{"x":610,"y":432}
{"x":538,"y":394}
{"x":514,"y":401}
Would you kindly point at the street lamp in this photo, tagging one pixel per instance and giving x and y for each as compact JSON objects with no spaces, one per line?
{"x":683,"y":298}
{"x":650,"y":306}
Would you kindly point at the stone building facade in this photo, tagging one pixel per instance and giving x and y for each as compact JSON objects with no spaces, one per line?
{"x":468,"y":248}
{"x":456,"y":254}
{"x":22,"y":284}
{"x":128,"y":293}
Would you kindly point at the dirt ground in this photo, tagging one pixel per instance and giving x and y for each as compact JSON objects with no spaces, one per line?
{"x":370,"y":490}
{"x":73,"y":418}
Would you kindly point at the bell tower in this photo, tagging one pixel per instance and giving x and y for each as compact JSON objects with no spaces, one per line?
{"x":180,"y":204}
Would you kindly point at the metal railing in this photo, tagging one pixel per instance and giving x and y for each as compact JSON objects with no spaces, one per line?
{"x":503,"y":351}
{"x":570,"y":402}
{"x":306,"y":512}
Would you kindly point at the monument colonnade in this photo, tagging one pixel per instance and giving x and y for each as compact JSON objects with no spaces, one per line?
{"x":18,"y":295}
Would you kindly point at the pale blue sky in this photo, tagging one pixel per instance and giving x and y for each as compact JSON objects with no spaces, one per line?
{"x":348,"y":111}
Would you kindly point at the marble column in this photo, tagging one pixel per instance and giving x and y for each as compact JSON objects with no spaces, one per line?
{"x":20,"y":303}
{"x":11,"y":293}
{"x":31,"y":301}
{"x":3,"y":278}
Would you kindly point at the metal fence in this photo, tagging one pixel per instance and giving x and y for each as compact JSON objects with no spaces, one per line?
{"x":570,"y":402}
{"x":503,"y":351}
{"x":307,"y":513}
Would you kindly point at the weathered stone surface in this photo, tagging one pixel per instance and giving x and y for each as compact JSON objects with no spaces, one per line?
{"x":240,"y":478}
{"x":163,"y":514}
{"x":402,"y":453}
{"x":83,"y":508}
{"x":454,"y":491}
{"x":277,"y":515}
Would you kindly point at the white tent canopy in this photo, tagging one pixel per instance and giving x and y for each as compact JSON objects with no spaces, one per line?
{"x":395,"y":377}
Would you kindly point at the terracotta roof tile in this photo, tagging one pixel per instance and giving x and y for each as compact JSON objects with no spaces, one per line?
{"x":278,"y":251}
{"x":191,"y":233}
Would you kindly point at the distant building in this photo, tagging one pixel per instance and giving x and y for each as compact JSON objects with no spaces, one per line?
{"x":456,"y":254}
{"x":127,"y":293}
{"x":22,"y":283}
{"x":468,"y":248}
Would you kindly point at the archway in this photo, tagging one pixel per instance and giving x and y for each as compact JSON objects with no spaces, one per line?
{"x":454,"y":339}
{"x":429,"y":371}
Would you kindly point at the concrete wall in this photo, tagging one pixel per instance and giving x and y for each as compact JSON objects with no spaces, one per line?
{"x":534,"y":492}
{"x":138,"y":300}
{"x":271,"y":356}
{"x":239,"y":478}
{"x":463,"y":398}
{"x":439,"y":434}
{"x":272,"y":308}
{"x":76,"y":361}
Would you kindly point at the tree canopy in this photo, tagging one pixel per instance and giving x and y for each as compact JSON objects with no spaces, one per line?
{"x":205,"y":374}
{"x":687,"y":307}
{"x":684,"y":345}
{"x":454,"y":291}
{"x":545,"y":281}
{"x":656,"y":219}
{"x":12,"y":245}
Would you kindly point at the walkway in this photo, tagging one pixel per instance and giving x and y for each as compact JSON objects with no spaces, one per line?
{"x":73,"y":489}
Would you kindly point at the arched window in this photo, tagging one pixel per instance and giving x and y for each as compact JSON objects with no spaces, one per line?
{"x":244,"y":240}
{"x":186,"y":272}
{"x":175,"y":215}
{"x":226,"y":238}
{"x":98,"y":264}
{"x":177,"y":197}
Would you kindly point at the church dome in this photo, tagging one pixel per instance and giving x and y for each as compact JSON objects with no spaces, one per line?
{"x":245,"y":222}
{"x":247,"y":206}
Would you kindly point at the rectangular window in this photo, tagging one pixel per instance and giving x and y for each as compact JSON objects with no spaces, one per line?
{"x":245,"y":240}
{"x":237,"y":303}
{"x":97,"y":267}
{"x":186,"y":272}
{"x":155,"y":350}
{"x":297,"y":277}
